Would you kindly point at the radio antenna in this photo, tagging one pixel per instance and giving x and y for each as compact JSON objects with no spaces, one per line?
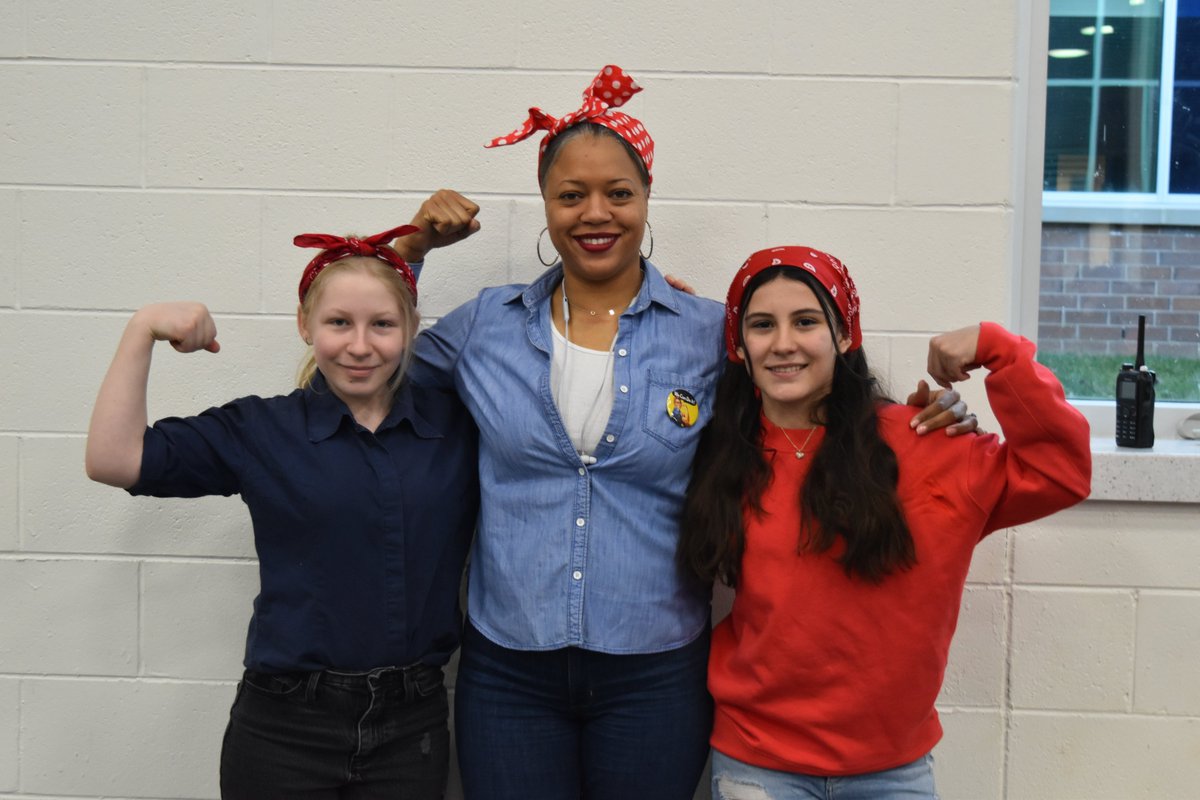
{"x":1141,"y":351}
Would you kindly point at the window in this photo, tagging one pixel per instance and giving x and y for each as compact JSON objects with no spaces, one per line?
{"x":1121,"y":194}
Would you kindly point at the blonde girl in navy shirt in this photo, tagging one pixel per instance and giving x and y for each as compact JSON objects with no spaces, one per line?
{"x":362,"y":491}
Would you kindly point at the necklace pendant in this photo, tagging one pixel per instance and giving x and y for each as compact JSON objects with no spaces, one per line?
{"x":799,"y":454}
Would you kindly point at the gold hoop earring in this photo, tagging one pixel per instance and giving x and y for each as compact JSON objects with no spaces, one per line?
{"x":545,"y":263}
{"x":650,"y":231}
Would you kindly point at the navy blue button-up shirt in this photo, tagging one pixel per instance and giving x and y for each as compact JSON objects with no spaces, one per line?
{"x":567,"y":553}
{"x":361,"y":536}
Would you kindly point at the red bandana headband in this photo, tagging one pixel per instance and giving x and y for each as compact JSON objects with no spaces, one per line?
{"x":830,"y":272}
{"x":336,"y":248}
{"x":612,"y":87}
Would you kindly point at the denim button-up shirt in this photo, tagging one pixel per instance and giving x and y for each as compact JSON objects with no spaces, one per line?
{"x":568,"y":554}
{"x":361,"y":536}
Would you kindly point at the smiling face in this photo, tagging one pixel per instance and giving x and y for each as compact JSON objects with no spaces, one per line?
{"x":359,"y":332}
{"x":786,"y":342}
{"x":596,"y":207}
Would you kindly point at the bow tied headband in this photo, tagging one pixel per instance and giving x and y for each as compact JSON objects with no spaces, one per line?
{"x":335,"y":248}
{"x":828,"y":271}
{"x":611,"y":88}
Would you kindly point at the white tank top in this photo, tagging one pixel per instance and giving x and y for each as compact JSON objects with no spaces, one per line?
{"x":581,"y":381}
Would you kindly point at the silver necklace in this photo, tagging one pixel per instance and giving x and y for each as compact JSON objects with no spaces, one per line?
{"x":612,"y":312}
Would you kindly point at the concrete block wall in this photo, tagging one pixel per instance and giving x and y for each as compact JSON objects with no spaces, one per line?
{"x":171,"y":151}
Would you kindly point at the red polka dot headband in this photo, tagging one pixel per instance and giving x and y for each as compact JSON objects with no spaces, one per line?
{"x":336,"y":248}
{"x":828,"y":271}
{"x":612,"y":87}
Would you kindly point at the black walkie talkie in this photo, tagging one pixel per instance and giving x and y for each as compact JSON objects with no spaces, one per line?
{"x":1135,"y":398}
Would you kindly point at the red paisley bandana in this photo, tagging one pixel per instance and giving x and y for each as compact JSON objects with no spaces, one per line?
{"x":336,"y":248}
{"x":830,"y":272}
{"x":611,"y":88}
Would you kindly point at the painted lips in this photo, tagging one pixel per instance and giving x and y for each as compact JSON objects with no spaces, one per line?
{"x":596,"y":244}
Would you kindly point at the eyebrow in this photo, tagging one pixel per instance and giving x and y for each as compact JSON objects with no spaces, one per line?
{"x":817,"y":311}
{"x":606,"y":183}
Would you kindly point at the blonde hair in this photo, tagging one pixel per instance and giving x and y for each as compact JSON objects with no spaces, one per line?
{"x":389,"y":277}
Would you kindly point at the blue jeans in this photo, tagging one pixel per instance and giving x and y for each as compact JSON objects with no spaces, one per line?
{"x":736,"y":780}
{"x":337,"y":736}
{"x":572,"y":723}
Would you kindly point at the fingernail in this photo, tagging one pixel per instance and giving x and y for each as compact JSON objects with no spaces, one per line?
{"x":921,"y":429}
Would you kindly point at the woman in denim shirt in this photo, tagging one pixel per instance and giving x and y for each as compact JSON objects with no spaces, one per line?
{"x":584,"y":659}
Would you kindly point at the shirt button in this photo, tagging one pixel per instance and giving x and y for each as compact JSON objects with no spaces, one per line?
{"x":610,"y":438}
{"x":577,"y":575}
{"x":622,"y":352}
{"x":624,"y":390}
{"x":579,"y":523}
{"x":582,"y":471}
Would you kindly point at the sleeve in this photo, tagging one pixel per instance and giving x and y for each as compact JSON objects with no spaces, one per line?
{"x":439,"y":347}
{"x":1044,"y":463}
{"x":194,"y":456}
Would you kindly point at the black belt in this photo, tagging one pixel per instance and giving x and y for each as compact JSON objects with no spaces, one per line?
{"x":416,"y":680}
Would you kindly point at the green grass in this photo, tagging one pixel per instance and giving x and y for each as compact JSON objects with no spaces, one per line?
{"x":1095,"y":377}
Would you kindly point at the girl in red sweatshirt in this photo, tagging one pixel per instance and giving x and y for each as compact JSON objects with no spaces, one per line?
{"x":848,"y":539}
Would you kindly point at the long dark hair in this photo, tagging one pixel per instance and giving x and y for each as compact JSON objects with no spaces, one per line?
{"x":849,"y":493}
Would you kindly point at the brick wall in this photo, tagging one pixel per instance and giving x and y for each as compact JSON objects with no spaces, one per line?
{"x":1097,"y":279}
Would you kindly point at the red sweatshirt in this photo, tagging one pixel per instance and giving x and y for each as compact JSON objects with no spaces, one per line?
{"x":818,"y":673}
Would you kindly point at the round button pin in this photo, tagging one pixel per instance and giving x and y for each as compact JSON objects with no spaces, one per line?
{"x":682,"y":408}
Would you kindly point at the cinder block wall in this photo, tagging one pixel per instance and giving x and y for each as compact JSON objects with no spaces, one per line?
{"x":167,"y":151}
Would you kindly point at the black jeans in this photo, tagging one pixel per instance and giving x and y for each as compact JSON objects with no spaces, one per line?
{"x":337,"y":736}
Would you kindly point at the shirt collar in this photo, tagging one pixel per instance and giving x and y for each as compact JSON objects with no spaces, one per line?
{"x":326,"y":412}
{"x":655,"y":289}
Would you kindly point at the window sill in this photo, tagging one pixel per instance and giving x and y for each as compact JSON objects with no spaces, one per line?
{"x":1119,"y":208}
{"x":1169,"y":472}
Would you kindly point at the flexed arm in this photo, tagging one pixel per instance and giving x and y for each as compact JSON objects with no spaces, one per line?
{"x":114,"y":442}
{"x":1044,"y":463}
{"x":445,"y":218}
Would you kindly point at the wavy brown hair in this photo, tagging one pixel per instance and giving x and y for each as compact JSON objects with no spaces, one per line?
{"x":848,"y":495}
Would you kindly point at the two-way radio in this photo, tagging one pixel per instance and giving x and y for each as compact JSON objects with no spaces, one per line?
{"x":1135,"y":398}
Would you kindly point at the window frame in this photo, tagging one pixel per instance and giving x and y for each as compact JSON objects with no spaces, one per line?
{"x":1160,"y":207}
{"x":1030,"y":125}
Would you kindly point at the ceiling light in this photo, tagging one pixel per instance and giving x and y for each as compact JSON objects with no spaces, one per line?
{"x":1090,"y":30}
{"x":1068,"y":52}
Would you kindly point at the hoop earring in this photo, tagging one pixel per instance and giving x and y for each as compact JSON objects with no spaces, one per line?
{"x":650,"y":231}
{"x":545,"y":263}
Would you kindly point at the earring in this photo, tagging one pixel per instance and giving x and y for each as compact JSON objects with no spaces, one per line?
{"x":545,"y":263}
{"x":650,"y":231}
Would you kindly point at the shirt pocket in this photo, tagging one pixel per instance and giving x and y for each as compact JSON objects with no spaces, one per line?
{"x":675,"y":408}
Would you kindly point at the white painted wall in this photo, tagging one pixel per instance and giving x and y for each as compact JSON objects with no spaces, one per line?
{"x":171,"y":150}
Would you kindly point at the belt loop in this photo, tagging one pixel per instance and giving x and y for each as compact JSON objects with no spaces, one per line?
{"x":310,"y":689}
{"x":410,"y":684}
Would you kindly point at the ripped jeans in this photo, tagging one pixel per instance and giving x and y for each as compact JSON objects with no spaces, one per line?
{"x":736,"y":780}
{"x":338,"y":736}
